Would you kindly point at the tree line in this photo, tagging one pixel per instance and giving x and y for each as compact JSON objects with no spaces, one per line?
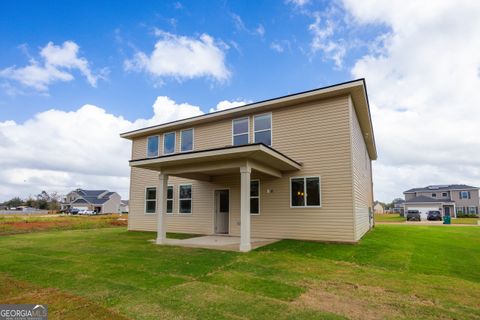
{"x":43,"y":201}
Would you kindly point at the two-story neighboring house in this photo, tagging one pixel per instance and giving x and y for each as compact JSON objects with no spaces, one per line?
{"x":100,"y":201}
{"x":296,"y":167}
{"x":448,"y":199}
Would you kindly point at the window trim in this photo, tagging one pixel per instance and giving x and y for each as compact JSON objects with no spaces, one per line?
{"x":145,"y":200}
{"x":258,"y":197}
{"x":174,"y":142}
{"x":158,"y":147}
{"x":467,"y":192}
{"x":305,"y":191}
{"x":474,"y":209}
{"x":240,"y":134}
{"x":191,"y":199}
{"x":173,"y":199}
{"x":271,"y":126}
{"x":193,"y":139}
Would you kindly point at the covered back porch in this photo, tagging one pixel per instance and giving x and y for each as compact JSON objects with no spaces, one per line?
{"x":205,"y":165}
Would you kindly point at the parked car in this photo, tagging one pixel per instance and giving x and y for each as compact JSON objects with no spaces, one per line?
{"x":413,"y":215}
{"x":434,"y":216}
{"x":73,"y":211}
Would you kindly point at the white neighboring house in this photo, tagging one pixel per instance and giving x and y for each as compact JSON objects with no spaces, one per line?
{"x":378,"y":209}
{"x":100,"y":201}
{"x":123,"y":207}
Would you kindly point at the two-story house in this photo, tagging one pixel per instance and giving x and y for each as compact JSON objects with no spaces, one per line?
{"x":100,"y":201}
{"x":450,"y":199}
{"x":296,"y":167}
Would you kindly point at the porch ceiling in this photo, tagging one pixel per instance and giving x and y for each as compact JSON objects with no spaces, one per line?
{"x":203,"y":164}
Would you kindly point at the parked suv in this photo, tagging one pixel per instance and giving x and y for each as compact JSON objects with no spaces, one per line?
{"x":413,"y":215}
{"x":434,"y":216}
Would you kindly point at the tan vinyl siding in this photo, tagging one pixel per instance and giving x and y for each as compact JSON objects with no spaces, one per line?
{"x":362,"y":182}
{"x":316,"y":134}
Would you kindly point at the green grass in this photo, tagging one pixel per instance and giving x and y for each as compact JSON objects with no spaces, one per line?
{"x":389,"y":217}
{"x":465,"y":221}
{"x":396,"y":272}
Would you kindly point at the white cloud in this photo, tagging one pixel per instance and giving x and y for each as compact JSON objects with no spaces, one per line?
{"x":276,"y":47}
{"x":298,"y":3}
{"x":60,"y":151}
{"x":182,"y":57}
{"x":226,"y":104}
{"x":58,"y":62}
{"x":240,"y":25}
{"x":423,"y":81}
{"x":322,"y":30}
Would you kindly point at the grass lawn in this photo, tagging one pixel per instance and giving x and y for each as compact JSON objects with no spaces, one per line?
{"x":14,"y":224}
{"x":389,"y":217}
{"x":396,"y":272}
{"x":465,"y":221}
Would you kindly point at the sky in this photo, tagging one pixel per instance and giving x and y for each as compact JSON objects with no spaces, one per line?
{"x":74,"y":74}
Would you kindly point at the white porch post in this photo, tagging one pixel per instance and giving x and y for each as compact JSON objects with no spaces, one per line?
{"x":245,"y":244}
{"x":161,"y":207}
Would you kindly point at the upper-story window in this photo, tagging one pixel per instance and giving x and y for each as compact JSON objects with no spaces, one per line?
{"x":444,"y":194}
{"x":186,"y":140}
{"x":434,"y":195}
{"x":152,"y":146}
{"x":169,"y":143}
{"x":464,"y":194}
{"x":240,"y":131}
{"x":262,"y":126}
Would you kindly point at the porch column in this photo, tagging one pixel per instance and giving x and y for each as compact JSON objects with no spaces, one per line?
{"x":161,"y":207}
{"x":245,"y":172}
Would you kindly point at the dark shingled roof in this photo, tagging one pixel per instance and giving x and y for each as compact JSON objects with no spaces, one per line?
{"x":426,"y":199}
{"x":435,"y":188}
{"x":90,"y":193}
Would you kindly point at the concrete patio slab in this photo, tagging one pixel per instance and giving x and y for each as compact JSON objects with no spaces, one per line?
{"x":218,"y":242}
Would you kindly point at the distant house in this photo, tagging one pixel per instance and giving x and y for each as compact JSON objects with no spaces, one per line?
{"x":398,"y":206}
{"x":101,"y":201}
{"x":378,"y":209}
{"x":450,"y":200}
{"x":124,"y":206}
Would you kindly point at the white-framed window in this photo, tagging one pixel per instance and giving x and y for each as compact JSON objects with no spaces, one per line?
{"x":460,"y":210}
{"x":240,"y":131}
{"x":152,"y":146}
{"x":305,"y":192}
{"x":186,"y":140}
{"x":170,"y":199}
{"x":444,"y":194}
{"x":434,"y":195}
{"x":185,"y":198}
{"x":262,"y":128}
{"x":169,"y":142}
{"x":255,"y":197}
{"x":472,"y":210}
{"x":150,"y":200}
{"x":464,"y":194}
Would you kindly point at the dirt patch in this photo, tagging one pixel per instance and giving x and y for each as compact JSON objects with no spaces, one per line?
{"x":61,"y":305}
{"x":358,"y":302}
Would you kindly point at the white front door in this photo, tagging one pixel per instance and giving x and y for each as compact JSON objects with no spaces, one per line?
{"x":222,"y":204}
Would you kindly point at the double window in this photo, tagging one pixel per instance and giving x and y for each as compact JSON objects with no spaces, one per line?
{"x":255,"y":197}
{"x":152,"y":146}
{"x":240,"y":131}
{"x":262,"y":127}
{"x":150,"y":200}
{"x":185,"y":198}
{"x":464,"y":194}
{"x":169,"y":142}
{"x":170,"y":199}
{"x":305,"y":192}
{"x":186,"y":140}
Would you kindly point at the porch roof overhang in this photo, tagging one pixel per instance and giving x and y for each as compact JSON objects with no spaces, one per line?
{"x":203,"y":164}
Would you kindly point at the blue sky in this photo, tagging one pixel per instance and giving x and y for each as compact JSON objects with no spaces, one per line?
{"x":74,"y":71}
{"x":109,"y":33}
